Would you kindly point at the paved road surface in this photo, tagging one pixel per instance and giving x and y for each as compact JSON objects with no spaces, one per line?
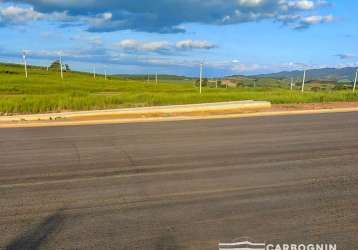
{"x":181,"y":185}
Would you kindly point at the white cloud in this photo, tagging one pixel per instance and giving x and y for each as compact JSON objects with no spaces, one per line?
{"x":164,"y":46}
{"x":311,"y":20}
{"x":251,"y":3}
{"x":131,"y":44}
{"x":161,"y":16}
{"x":15,"y":15}
{"x":192,"y":44}
{"x":154,"y":46}
{"x":302,"y":4}
{"x":100,"y":19}
{"x":242,"y":68}
{"x":317,"y":19}
{"x":18,"y":15}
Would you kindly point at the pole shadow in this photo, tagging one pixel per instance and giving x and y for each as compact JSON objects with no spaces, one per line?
{"x":38,"y":235}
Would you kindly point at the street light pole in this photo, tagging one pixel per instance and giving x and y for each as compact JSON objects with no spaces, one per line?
{"x":304,"y":80}
{"x":291,"y":83}
{"x":355,"y":82}
{"x":201,"y":76}
{"x":25,"y":63}
{"x":61,"y":69}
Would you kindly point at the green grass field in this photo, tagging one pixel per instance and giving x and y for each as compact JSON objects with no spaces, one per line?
{"x":44,"y":91}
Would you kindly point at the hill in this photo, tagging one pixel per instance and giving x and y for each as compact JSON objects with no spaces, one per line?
{"x":332,"y":74}
{"x":152,"y":76}
{"x":161,"y":78}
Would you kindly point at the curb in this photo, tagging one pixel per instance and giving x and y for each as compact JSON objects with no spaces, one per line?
{"x":171,"y":119}
{"x":139,"y":112}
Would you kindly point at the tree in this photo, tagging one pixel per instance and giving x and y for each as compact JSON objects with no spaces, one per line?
{"x":204,"y":82}
{"x":56,"y":66}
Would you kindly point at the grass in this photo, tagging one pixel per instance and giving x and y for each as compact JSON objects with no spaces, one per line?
{"x":44,"y":91}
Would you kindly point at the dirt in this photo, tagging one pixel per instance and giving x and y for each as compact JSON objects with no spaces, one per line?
{"x":313,"y":106}
{"x":275,"y":107}
{"x":136,"y":116}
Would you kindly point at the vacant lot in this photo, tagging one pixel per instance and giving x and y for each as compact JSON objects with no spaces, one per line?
{"x":44,"y":91}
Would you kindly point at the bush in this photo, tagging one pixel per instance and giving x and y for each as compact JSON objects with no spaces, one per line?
{"x":204,"y":82}
{"x":341,"y":87}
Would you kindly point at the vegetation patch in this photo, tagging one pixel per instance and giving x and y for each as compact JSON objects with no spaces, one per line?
{"x":44,"y":91}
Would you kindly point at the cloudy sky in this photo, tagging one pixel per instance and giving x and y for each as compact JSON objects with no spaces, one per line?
{"x":174,"y":36}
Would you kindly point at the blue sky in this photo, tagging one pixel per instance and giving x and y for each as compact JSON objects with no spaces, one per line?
{"x":174,"y":36}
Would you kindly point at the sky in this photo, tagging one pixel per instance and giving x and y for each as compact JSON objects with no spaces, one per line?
{"x":174,"y":36}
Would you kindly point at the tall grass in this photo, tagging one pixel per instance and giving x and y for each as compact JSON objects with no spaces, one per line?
{"x":44,"y":91}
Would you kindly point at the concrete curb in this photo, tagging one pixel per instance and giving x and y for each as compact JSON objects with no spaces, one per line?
{"x":159,"y":110}
{"x":171,"y":119}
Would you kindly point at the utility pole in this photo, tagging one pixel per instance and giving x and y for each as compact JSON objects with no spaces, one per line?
{"x":61,"y":69}
{"x":156,"y":77}
{"x":25,"y":63}
{"x":94,"y":72}
{"x":291,"y":83}
{"x":355,"y":82}
{"x":201,"y":77}
{"x":303,"y":81}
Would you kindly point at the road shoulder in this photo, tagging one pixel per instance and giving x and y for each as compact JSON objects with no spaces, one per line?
{"x":175,"y":113}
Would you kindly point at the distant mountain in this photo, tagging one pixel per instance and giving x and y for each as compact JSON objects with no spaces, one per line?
{"x":332,"y":74}
{"x":152,"y":76}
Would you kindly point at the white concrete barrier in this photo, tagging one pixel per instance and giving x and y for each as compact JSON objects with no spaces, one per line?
{"x":189,"y":108}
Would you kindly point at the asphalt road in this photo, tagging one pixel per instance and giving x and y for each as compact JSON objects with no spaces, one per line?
{"x":181,"y":185}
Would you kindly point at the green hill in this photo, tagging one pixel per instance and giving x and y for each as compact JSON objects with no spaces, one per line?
{"x":334,"y":74}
